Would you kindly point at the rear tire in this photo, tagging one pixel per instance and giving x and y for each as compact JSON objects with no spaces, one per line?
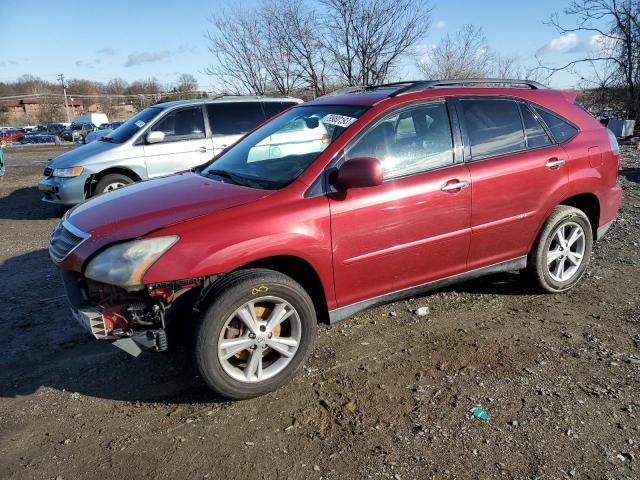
{"x":560,"y":254}
{"x":239,"y":349}
{"x":110,"y":182}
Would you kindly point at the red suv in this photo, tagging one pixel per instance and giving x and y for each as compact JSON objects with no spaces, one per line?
{"x":336,"y":205}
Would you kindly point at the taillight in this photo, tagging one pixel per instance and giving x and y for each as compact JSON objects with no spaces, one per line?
{"x":613,"y":141}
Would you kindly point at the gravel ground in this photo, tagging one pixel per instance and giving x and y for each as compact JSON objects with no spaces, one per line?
{"x":386,"y":393}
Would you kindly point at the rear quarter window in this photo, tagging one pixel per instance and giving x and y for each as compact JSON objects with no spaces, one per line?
{"x":234,"y":118}
{"x":561,"y":129}
{"x":274,"y":108}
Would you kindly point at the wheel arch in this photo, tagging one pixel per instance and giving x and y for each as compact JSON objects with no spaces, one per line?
{"x":302,"y":272}
{"x":590,"y":205}
{"x":93,"y":179}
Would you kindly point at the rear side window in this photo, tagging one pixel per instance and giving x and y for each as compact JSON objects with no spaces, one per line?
{"x":494,"y":126}
{"x":274,"y":108}
{"x":536,"y":135}
{"x":561,"y":130}
{"x":234,"y":118}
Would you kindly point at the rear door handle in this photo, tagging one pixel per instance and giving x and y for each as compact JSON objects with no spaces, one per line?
{"x":554,"y":163}
{"x":452,"y":187}
{"x":202,"y":149}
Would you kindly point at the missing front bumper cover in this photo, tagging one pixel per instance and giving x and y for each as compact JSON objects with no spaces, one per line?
{"x":132,"y":343}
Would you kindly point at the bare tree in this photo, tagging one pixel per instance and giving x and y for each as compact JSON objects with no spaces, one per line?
{"x":615,"y":56}
{"x":367,"y":38}
{"x":286,"y":45}
{"x":235,"y":43}
{"x":186,"y":83}
{"x":462,"y":55}
{"x":116,"y":86}
{"x":295,"y":29}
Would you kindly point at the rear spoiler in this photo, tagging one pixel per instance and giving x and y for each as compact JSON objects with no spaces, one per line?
{"x":569,"y":95}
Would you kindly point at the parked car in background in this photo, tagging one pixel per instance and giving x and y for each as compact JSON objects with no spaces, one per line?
{"x":98,"y":119}
{"x":55,"y":128}
{"x":103,"y":131}
{"x":420,"y":185}
{"x":38,"y":130}
{"x":77,"y":132}
{"x":12,"y":135}
{"x":160,"y":140}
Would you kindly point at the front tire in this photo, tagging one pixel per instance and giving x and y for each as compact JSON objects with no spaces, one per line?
{"x":255,"y":335}
{"x":560,"y":255}
{"x":111,"y":182}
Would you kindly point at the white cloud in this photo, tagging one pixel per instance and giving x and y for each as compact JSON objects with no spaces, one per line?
{"x":137,"y":58}
{"x":562,"y":44}
{"x":571,"y":43}
{"x":106,"y":51}
{"x":602,"y":43}
{"x":440,"y":24}
{"x":425,"y":51}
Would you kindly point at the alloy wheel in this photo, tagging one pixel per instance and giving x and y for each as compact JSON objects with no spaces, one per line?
{"x":566,"y":251}
{"x":113,"y":186}
{"x":259,"y":339}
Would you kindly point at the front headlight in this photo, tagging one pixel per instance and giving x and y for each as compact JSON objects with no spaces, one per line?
{"x":125,"y":264}
{"x":67,"y":172}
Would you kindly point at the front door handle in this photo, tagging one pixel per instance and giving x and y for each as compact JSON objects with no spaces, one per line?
{"x":554,"y":163}
{"x":454,"y":185}
{"x":202,"y":149}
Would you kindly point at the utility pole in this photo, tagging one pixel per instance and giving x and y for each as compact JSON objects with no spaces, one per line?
{"x":64,"y":91}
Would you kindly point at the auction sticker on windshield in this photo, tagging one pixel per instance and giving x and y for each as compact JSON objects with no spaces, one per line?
{"x":338,"y":120}
{"x":140,"y":123}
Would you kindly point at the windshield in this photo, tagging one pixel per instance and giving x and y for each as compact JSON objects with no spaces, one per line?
{"x":278,"y":152}
{"x":132,"y":126}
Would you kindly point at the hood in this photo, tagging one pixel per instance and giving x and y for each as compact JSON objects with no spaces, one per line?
{"x":81,"y":155}
{"x":138,"y":209}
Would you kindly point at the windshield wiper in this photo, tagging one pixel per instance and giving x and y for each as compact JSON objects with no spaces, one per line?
{"x":245,"y":181}
{"x":106,"y":139}
{"x":224,"y":174}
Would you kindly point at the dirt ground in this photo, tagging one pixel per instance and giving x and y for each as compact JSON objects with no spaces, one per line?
{"x":386,"y":393}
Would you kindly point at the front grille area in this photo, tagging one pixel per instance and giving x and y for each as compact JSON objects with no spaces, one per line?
{"x":63,"y":241}
{"x":48,"y":172}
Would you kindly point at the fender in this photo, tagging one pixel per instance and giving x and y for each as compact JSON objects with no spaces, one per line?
{"x":301,"y":229}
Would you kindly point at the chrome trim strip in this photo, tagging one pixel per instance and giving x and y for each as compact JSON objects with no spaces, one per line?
{"x":77,"y":232}
{"x":342,"y":313}
{"x":603,"y":229}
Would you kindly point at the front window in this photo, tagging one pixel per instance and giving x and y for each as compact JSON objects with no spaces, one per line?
{"x":184,"y":124}
{"x":414,"y":140}
{"x":278,"y":152}
{"x":132,"y":126}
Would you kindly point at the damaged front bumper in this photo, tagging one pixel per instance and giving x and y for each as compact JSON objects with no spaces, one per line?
{"x":129,"y":324}
{"x":134,"y":343}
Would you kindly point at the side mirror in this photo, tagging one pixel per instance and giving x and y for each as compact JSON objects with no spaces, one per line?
{"x":155,"y":137}
{"x":360,"y":172}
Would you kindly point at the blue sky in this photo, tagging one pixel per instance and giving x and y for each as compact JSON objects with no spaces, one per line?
{"x":162,"y":39}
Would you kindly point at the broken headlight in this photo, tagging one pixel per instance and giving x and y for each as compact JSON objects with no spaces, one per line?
{"x":125,"y":264}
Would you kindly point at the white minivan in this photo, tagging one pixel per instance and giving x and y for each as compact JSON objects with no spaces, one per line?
{"x":160,"y":140}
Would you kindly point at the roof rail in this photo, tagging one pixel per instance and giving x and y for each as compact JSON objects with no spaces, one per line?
{"x":421,"y":85}
{"x":367,"y":88}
